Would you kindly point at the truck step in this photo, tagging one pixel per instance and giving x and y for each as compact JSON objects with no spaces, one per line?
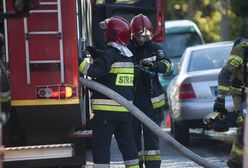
{"x":38,"y":152}
{"x":81,"y":134}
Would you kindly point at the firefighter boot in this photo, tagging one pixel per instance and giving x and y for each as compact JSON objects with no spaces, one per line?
{"x":228,"y":121}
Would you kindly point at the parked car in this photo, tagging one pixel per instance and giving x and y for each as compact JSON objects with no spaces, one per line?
{"x":192,"y":92}
{"x":180,"y":34}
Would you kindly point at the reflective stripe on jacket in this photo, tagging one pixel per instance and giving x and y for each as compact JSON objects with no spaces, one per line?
{"x":5,"y":86}
{"x":230,"y":81}
{"x":147,"y":87}
{"x":5,"y":97}
{"x":114,"y":71}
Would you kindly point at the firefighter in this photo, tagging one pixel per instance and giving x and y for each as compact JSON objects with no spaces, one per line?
{"x":5,"y":89}
{"x":232,"y":81}
{"x":114,"y":69}
{"x":149,"y":60}
{"x":5,"y":86}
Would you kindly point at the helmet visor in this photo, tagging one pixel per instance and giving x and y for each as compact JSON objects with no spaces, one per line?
{"x":143,"y":35}
{"x":142,"y":38}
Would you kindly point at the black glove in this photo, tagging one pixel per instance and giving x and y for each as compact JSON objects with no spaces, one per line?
{"x":140,"y":71}
{"x":219,"y":105}
{"x":146,"y":64}
{"x":228,"y":121}
{"x":95,"y":53}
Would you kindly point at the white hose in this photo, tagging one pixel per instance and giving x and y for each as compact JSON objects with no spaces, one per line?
{"x":147,"y":121}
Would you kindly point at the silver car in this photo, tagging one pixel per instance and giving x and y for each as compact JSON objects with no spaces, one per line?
{"x":192,"y":91}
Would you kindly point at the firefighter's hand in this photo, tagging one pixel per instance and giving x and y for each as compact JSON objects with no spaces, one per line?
{"x":95,"y":53}
{"x":140,"y":71}
{"x":219,"y":105}
{"x":146,"y":64}
{"x":213,"y":126}
{"x":207,"y":126}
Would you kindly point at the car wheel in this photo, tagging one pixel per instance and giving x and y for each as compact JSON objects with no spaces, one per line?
{"x":181,"y":133}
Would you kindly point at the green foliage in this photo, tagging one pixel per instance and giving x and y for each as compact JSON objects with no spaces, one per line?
{"x":235,"y":23}
{"x":207,"y":15}
{"x":240,"y":7}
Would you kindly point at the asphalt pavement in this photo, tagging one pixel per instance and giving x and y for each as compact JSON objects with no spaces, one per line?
{"x":210,"y":145}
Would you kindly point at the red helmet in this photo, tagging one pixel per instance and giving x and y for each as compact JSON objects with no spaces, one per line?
{"x":117,"y":29}
{"x":141,"y":27}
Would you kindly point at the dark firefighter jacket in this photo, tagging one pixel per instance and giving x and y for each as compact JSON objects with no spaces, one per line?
{"x":147,"y":85}
{"x":116,"y":72}
{"x":5,"y":89}
{"x":230,"y":79}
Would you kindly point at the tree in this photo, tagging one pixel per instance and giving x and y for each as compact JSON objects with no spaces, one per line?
{"x":240,"y":9}
{"x":217,"y":19}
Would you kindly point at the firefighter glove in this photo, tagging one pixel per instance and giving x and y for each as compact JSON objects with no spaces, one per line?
{"x":94,"y":52}
{"x":140,"y":71}
{"x":228,"y":121}
{"x":219,"y":105}
{"x":146,"y":64}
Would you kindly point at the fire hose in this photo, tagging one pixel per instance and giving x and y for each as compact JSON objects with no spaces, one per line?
{"x":147,"y":121}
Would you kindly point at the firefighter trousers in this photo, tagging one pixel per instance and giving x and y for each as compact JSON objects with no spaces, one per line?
{"x":235,"y":159}
{"x":150,"y":155}
{"x":103,"y":130}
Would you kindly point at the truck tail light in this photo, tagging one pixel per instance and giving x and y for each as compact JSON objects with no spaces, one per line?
{"x":55,"y":92}
{"x":186,"y":91}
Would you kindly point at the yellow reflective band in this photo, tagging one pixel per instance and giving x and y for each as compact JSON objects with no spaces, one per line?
{"x":124,"y":80}
{"x":243,"y":44}
{"x":168,"y":65}
{"x":235,"y":90}
{"x":121,"y":70}
{"x":83,"y":64}
{"x":5,"y":99}
{"x":240,"y":120}
{"x":152,"y":158}
{"x":235,"y":60}
{"x":108,"y":108}
{"x":133,"y":166}
{"x":43,"y":102}
{"x":158,"y":104}
{"x":223,"y":88}
{"x":238,"y":151}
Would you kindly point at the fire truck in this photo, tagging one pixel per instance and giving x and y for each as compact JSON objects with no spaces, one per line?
{"x":50,"y":114}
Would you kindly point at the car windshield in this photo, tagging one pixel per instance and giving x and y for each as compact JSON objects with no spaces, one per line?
{"x":176,"y":43}
{"x":209,"y":58}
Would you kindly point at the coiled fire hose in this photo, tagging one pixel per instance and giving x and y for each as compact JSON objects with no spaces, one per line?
{"x":147,"y":121}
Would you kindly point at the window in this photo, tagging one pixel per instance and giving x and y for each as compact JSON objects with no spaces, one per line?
{"x":210,"y":58}
{"x":176,"y":43}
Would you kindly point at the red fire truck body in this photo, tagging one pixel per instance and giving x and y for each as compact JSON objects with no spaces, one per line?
{"x":43,"y":52}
